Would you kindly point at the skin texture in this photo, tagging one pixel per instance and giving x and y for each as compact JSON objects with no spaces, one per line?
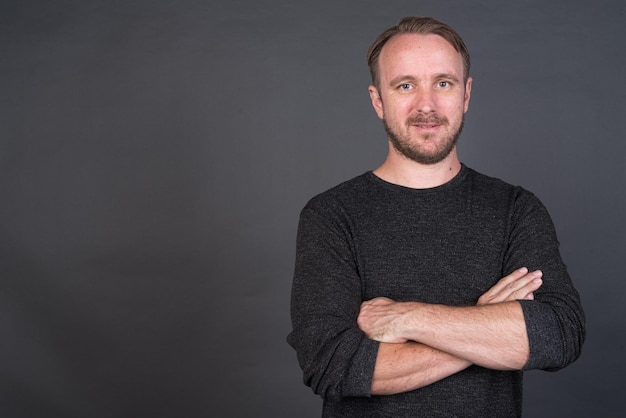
{"x":422,"y":98}
{"x":447,"y":341}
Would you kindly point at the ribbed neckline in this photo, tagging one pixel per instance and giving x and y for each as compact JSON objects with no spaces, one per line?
{"x":461,"y":175}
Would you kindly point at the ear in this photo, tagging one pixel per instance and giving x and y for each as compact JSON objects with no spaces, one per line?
{"x":468,"y":91}
{"x":377,"y":102}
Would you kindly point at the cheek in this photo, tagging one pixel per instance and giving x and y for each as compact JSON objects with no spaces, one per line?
{"x":399,"y":109}
{"x":454,"y":109}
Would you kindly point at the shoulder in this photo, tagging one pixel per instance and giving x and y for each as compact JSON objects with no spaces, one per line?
{"x":348,"y":193}
{"x":500,"y":195}
{"x":495,"y":187}
{"x":335,"y":210}
{"x":341,"y":206}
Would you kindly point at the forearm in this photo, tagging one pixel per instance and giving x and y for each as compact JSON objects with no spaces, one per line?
{"x":408,"y":366}
{"x":492,"y":336}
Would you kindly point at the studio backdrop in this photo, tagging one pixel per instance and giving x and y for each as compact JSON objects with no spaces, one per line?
{"x":155,"y":155}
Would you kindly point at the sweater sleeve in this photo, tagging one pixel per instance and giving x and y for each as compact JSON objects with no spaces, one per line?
{"x":555,"y":321}
{"x":336,"y":357}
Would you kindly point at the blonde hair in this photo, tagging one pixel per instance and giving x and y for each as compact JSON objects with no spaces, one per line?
{"x":419,"y":25}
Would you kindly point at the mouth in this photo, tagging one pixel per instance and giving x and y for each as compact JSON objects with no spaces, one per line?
{"x":426,"y":125}
{"x":426,"y":128}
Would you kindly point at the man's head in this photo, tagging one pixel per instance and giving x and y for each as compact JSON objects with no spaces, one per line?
{"x":422,"y":26}
{"x":421,"y":88}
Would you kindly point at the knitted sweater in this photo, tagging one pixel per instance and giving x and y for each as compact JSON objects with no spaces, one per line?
{"x":447,"y":245}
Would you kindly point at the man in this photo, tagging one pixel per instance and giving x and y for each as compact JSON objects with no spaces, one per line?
{"x":424,"y":288}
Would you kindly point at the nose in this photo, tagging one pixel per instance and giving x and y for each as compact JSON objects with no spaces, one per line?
{"x":425,"y":101}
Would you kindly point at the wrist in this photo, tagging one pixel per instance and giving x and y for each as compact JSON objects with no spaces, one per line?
{"x":409,"y":322}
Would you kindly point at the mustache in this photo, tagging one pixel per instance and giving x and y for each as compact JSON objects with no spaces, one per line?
{"x":420,"y":118}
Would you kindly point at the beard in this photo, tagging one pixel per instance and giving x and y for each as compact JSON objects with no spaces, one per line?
{"x":413,"y":150}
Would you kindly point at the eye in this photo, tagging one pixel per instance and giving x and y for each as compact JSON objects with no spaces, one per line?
{"x":405,"y":86}
{"x":443,"y":84}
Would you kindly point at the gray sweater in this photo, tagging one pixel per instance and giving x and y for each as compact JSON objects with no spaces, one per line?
{"x":368,"y":238}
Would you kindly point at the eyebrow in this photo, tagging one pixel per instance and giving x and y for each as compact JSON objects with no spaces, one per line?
{"x":440,"y":76}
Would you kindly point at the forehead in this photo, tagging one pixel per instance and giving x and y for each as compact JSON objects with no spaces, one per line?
{"x":416,"y":54}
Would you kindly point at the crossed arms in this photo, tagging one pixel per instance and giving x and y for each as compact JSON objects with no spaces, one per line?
{"x":423,"y":343}
{"x":350,"y":348}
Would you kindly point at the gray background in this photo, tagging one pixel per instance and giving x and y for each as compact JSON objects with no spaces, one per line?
{"x":154,"y":157}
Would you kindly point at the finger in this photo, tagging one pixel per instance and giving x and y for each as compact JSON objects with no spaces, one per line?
{"x":528,"y":283}
{"x":507,"y":280}
{"x":496,"y":292}
{"x":522,"y":289}
{"x":512,"y":287}
{"x":533,"y":285}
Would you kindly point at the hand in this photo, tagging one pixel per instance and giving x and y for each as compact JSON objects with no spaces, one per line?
{"x":381,"y":318}
{"x":384,"y":320}
{"x":518,"y":285}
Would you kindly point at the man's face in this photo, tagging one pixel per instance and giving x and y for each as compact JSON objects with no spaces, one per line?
{"x":421,"y":97}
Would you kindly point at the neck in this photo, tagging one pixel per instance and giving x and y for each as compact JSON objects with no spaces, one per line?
{"x":404,"y":172}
